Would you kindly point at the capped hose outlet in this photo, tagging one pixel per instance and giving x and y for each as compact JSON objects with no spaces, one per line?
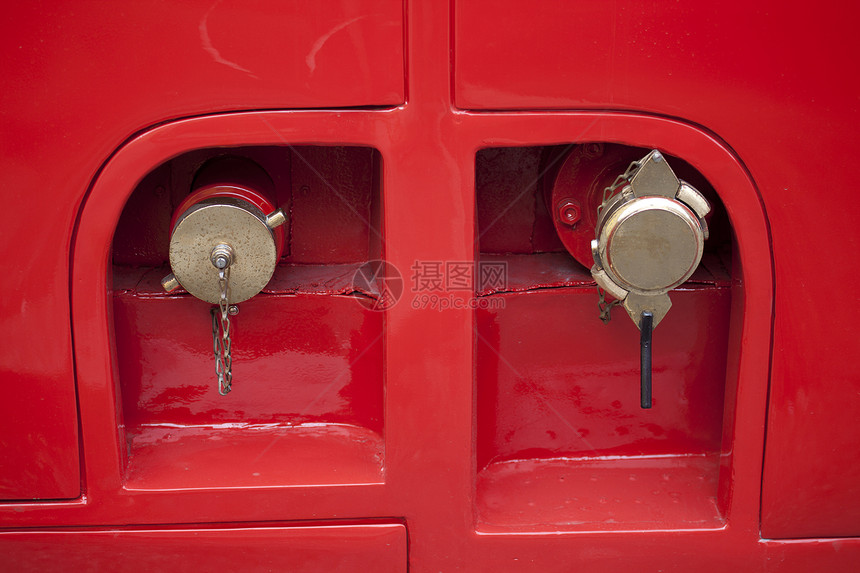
{"x":650,"y":238}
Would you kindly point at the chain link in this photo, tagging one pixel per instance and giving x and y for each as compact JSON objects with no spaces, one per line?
{"x":221,"y":340}
{"x":604,"y":307}
{"x":618,"y":184}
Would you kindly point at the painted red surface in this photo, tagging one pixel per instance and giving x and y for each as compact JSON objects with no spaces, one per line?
{"x":420,"y":435}
{"x":783,"y":106}
{"x":380,"y":547}
{"x":79,"y":81}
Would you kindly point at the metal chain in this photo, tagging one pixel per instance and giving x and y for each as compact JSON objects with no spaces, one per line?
{"x":619,"y":183}
{"x":604,"y":307}
{"x":221,"y":341}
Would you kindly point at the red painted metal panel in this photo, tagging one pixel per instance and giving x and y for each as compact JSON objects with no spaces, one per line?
{"x":311,"y":549}
{"x":429,"y":410}
{"x":787,"y":108}
{"x":510,"y":205}
{"x":333,"y":192}
{"x":78,"y":81}
{"x":553,"y":381}
{"x":561,"y":441}
{"x":609,"y":493}
{"x":837,"y":555}
{"x":781,"y":105}
{"x":428,"y":473}
{"x":307,"y":387}
{"x":315,"y":369}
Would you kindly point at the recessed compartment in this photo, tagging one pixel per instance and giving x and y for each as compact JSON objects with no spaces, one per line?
{"x":306,"y":404}
{"x":562,"y":440}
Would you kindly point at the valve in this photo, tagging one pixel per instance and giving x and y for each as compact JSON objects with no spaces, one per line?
{"x":650,"y":237}
{"x":642,"y":235}
{"x":225,"y":241}
{"x":227,"y":216}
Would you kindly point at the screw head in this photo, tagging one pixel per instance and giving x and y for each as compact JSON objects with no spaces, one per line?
{"x":593,"y":149}
{"x":569,"y":211}
{"x":221,"y":256}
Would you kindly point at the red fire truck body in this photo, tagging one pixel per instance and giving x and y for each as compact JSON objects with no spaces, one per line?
{"x":465,"y":408}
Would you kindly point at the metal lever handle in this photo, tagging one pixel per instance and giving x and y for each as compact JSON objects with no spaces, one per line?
{"x":645,"y":330}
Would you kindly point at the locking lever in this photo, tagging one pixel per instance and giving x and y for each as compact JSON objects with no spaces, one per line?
{"x":646,"y":330}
